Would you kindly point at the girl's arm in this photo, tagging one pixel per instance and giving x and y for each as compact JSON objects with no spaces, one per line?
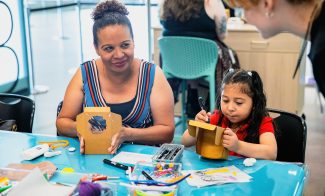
{"x":266,"y":149}
{"x":187,"y":139}
{"x":72,"y":106}
{"x":216,"y":10}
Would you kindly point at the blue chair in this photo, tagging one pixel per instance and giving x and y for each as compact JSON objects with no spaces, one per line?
{"x":189,"y":58}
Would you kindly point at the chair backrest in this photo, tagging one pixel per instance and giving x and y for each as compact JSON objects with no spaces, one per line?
{"x":58,"y":109}
{"x":188,"y":57}
{"x":19,"y":108}
{"x":291,"y":136}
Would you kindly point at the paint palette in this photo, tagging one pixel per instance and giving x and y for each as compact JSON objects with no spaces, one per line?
{"x":169,"y":153}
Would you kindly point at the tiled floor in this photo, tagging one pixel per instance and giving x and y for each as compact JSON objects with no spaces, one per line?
{"x":56,"y":54}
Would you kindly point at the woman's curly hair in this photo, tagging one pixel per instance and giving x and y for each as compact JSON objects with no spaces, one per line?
{"x":108,"y":7}
{"x":110,"y":12}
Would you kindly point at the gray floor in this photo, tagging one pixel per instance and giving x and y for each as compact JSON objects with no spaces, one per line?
{"x":56,"y":54}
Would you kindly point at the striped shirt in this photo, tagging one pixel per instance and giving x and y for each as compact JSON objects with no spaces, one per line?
{"x":139,"y":115}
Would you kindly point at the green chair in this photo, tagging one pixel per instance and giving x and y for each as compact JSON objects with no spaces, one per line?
{"x":189,"y":58}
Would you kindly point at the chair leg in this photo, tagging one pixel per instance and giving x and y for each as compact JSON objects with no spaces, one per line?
{"x":212,"y":94}
{"x":184,"y":118}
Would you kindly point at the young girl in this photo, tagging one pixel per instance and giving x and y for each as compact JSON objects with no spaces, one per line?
{"x":242,"y":111}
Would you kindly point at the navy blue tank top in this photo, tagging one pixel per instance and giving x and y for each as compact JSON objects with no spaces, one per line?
{"x":202,"y":26}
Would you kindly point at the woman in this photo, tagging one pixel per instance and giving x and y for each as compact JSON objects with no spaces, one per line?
{"x":197,"y":18}
{"x":129,"y":86}
{"x":194,"y":18}
{"x":304,"y":18}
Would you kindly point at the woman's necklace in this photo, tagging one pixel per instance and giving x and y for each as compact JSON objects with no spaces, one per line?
{"x":304,"y":45}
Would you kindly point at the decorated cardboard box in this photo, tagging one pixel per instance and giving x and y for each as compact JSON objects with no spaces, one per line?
{"x":97,"y":125}
{"x":208,"y":140}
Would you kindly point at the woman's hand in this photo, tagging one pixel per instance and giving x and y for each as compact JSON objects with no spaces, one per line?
{"x":230,"y":140}
{"x":117,"y":140}
{"x":203,"y":116}
{"x":82,"y":144}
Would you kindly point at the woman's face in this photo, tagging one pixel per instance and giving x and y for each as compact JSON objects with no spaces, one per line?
{"x":235,"y":104}
{"x":257,"y":16}
{"x":115,"y":47}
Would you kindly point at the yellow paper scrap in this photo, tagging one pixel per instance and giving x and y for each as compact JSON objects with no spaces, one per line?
{"x":222,"y":170}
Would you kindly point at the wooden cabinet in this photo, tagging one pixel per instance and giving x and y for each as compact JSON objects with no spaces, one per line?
{"x":156,"y":34}
{"x":274,"y":59}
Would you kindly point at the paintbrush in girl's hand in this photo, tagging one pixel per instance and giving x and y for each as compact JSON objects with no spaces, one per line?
{"x":201,"y":103}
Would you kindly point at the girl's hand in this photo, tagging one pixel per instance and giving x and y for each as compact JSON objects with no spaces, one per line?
{"x":203,"y":116}
{"x":117,"y":140}
{"x":230,"y":140}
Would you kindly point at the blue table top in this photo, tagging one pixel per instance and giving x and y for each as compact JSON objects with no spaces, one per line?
{"x":269,"y":177}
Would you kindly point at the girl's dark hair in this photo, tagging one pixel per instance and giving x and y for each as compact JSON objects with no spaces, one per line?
{"x":253,"y":87}
{"x":181,"y":10}
{"x":109,"y":13}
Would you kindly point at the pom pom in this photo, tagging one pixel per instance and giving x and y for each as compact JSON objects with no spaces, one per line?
{"x":248,"y":162}
{"x":89,"y":189}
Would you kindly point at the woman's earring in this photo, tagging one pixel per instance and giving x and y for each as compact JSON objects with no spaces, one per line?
{"x":269,"y":14}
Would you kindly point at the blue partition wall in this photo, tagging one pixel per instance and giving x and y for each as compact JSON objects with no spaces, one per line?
{"x":14,"y":77}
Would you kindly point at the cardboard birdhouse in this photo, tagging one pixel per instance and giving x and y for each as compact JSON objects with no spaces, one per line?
{"x":208,"y":140}
{"x":97,"y":125}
